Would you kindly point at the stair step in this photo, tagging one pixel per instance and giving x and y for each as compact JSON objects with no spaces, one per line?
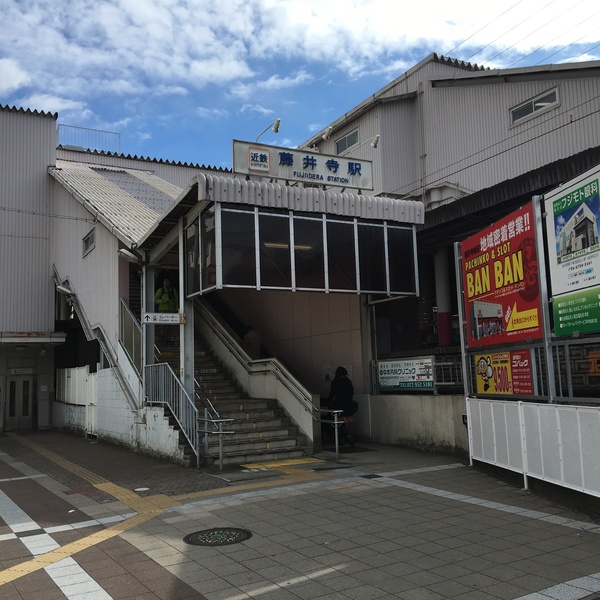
{"x":254,"y":435}
{"x":243,"y":446}
{"x":256,"y":456}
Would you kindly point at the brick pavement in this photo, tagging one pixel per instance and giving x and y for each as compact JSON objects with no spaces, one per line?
{"x":377,"y":523}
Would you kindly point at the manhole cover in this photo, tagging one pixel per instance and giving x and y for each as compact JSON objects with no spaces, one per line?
{"x":219,"y":536}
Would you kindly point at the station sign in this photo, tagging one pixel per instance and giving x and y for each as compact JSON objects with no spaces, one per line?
{"x":302,"y":165}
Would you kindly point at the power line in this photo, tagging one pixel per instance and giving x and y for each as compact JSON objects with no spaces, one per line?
{"x":531,"y":33}
{"x":499,"y":153}
{"x":514,"y":27}
{"x":544,"y":45}
{"x":41,"y":214}
{"x":564,"y":47}
{"x":480,"y":30}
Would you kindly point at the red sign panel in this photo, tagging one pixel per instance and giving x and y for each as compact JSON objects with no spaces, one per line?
{"x":500,"y":282}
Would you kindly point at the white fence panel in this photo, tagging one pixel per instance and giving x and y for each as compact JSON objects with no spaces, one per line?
{"x":495,"y":433}
{"x":555,"y":443}
{"x":79,"y":387}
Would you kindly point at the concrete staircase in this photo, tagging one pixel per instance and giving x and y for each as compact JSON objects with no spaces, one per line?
{"x":262,"y":431}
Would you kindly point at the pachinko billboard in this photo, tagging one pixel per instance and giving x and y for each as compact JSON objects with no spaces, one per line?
{"x":500,"y":282}
{"x":505,"y":373}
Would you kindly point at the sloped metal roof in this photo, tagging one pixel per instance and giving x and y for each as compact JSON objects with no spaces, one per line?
{"x":126,"y":201}
{"x":212,"y":188}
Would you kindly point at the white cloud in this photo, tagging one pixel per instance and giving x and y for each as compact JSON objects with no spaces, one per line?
{"x":12,"y":77}
{"x":166,"y":47}
{"x":275,"y":82}
{"x":212,"y":113}
{"x":52,"y":104}
{"x":256,"y":108}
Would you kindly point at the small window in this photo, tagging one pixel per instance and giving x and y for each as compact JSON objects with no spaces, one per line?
{"x":542,"y":103}
{"x":346,"y":142}
{"x":89,"y":242}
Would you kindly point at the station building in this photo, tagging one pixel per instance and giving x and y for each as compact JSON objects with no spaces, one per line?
{"x":325,"y":274}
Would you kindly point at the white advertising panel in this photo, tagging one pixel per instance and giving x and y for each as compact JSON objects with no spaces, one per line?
{"x":572,"y":219}
{"x":409,"y":374}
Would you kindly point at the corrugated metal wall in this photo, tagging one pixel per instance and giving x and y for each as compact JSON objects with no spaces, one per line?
{"x":469,"y":140}
{"x":27,"y":148}
{"x":93,"y":277}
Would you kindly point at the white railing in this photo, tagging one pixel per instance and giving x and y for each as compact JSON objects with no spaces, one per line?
{"x":163,"y":387}
{"x":556,"y":443}
{"x":130,"y":336}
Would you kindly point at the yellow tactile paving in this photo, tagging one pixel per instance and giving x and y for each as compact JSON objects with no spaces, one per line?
{"x":147,"y":507}
{"x":54,"y":556}
{"x":278,"y":464}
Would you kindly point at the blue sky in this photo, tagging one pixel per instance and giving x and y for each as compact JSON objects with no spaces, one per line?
{"x":180,"y":79}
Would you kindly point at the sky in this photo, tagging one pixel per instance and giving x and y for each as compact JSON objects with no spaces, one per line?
{"x":178,"y":80}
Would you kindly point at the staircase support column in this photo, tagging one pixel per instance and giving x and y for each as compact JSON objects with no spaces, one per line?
{"x":186,"y":348}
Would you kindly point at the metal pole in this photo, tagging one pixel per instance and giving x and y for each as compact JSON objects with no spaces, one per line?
{"x":220,"y":446}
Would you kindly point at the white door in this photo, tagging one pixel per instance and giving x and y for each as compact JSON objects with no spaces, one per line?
{"x":19,"y":403}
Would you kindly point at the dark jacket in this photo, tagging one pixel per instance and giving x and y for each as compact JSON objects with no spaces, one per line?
{"x":341,"y":396}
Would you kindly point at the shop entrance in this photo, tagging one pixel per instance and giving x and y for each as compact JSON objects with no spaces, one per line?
{"x":19,"y":403}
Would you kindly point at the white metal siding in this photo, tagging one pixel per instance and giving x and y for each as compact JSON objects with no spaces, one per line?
{"x":470,"y":141}
{"x":93,"y":277}
{"x":27,"y":147}
{"x":399,"y":147}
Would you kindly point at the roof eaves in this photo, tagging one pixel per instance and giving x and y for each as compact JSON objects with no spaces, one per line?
{"x":97,"y":214}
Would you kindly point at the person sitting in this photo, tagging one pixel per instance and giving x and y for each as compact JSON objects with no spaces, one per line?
{"x":341,"y":397}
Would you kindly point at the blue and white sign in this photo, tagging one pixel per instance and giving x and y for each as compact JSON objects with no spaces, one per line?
{"x":307,"y":166}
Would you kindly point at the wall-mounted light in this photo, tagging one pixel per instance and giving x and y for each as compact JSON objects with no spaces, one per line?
{"x":374,"y":143}
{"x":274,"y":127}
{"x":61,"y":289}
{"x":328,"y":133}
{"x":43,"y":351}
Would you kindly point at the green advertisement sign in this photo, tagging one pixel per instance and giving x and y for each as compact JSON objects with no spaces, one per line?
{"x":577,"y":312}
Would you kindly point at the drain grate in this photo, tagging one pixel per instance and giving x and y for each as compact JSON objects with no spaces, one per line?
{"x":219,"y":536}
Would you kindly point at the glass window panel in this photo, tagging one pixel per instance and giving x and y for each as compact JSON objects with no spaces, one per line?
{"x":275,"y":261}
{"x":192,"y":259}
{"x":12,"y":399}
{"x":26,"y":400}
{"x":371,"y":250}
{"x":308,"y":254}
{"x":402,"y":260}
{"x":239,"y":257}
{"x":522,"y":112}
{"x":545,"y":101}
{"x":340,"y":252}
{"x":209,"y":263}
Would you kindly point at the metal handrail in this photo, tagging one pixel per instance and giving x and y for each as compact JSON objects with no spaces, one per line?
{"x":130,"y":335}
{"x":219,"y":431}
{"x":285,"y":377}
{"x":337,"y":422}
{"x":164,"y":388}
